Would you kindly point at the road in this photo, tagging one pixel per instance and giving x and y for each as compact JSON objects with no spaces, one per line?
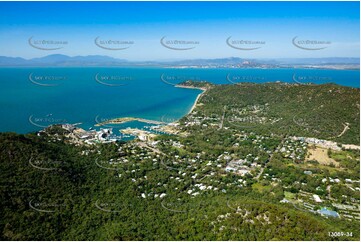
{"x":222,"y":119}
{"x":144,"y":145}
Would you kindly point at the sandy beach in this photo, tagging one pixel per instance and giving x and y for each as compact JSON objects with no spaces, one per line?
{"x":196,"y":102}
{"x":198,"y":97}
{"x":168,"y":128}
{"x":171,"y":128}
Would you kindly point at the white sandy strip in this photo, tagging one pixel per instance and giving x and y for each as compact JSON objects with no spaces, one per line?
{"x":198,"y":97}
{"x":195,"y":102}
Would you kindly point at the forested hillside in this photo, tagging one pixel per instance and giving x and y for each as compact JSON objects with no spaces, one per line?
{"x":75,"y":199}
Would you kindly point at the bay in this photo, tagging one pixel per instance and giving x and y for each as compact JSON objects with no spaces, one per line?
{"x":33,"y":98}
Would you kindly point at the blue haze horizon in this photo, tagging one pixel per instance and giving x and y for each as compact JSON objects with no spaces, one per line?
{"x":88,"y":95}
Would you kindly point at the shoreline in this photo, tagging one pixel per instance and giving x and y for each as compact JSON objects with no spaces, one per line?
{"x":195,"y":103}
{"x":170,"y":128}
{"x":122,"y":120}
{"x":197,"y":98}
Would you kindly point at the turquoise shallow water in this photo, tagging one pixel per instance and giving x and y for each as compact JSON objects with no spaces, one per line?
{"x":31,"y":98}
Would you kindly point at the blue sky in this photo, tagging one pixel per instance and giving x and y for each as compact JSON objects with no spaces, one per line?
{"x":209,"y":23}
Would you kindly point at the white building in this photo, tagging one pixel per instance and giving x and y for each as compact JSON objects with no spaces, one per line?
{"x":317,"y":198}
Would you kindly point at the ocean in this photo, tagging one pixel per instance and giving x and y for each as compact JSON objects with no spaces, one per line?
{"x":33,"y":98}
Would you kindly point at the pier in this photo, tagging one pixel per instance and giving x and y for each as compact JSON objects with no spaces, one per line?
{"x":130,"y":119}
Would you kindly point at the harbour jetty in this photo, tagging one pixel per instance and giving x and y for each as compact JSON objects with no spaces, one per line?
{"x":129,"y":119}
{"x":188,"y":84}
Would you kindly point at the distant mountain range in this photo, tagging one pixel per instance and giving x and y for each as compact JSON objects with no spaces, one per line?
{"x":61,"y":60}
{"x":99,"y":60}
